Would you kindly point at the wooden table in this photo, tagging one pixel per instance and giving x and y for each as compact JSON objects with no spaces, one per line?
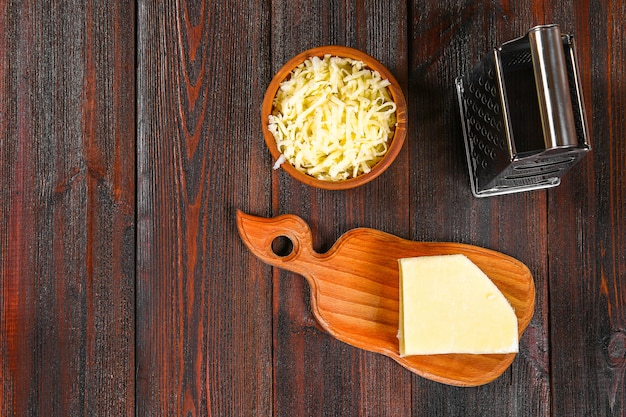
{"x":131,"y":134}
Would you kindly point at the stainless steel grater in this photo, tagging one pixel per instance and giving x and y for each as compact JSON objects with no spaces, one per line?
{"x":522,"y":114}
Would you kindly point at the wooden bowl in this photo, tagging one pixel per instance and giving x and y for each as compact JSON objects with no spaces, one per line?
{"x":397,"y":95}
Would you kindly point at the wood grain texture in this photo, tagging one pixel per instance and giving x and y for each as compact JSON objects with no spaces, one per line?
{"x":204,"y":312}
{"x":349,"y":381}
{"x":587,"y":239}
{"x":130,"y":133}
{"x":447,"y":40}
{"x":67,"y":208}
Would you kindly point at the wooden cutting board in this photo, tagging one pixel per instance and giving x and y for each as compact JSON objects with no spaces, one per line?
{"x":354,"y":290}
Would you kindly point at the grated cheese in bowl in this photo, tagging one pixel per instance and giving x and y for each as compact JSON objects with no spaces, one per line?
{"x":332,"y":118}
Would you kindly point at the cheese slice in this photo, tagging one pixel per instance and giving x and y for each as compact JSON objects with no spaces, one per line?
{"x":448,"y":305}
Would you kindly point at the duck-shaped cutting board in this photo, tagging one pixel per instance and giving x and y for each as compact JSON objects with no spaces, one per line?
{"x":354,"y":290}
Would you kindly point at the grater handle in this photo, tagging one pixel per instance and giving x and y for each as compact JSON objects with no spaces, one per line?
{"x":555,"y":103}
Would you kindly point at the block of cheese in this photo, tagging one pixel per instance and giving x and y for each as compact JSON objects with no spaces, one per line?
{"x":449,"y":305}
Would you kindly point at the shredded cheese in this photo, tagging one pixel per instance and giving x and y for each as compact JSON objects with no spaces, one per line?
{"x":333,"y":118}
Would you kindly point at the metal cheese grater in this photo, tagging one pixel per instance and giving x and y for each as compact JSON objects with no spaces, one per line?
{"x":522,"y":114}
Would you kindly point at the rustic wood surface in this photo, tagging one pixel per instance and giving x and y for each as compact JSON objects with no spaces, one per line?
{"x":130,"y":135}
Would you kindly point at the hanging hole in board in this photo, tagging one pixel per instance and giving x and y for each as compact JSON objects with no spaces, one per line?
{"x":282,"y":246}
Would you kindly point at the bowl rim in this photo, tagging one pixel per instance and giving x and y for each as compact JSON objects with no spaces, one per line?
{"x":396,"y":142}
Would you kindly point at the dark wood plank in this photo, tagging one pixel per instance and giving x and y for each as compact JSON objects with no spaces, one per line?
{"x":587,"y":221}
{"x":315,"y":373}
{"x":447,"y":40}
{"x":67,"y":208}
{"x":204,"y":313}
